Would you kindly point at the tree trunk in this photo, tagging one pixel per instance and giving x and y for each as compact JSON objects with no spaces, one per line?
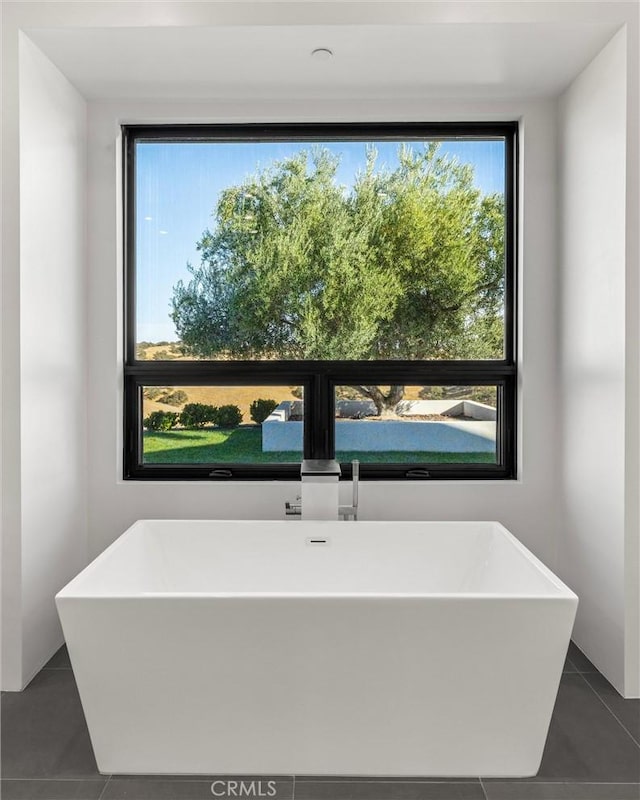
{"x":384,"y":403}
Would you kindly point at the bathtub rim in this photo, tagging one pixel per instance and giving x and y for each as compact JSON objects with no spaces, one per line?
{"x":71,"y":591}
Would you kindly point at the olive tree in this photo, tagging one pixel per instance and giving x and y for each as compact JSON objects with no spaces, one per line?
{"x":406,"y":264}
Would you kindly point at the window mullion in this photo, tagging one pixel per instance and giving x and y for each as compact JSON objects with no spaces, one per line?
{"x":319,"y":413}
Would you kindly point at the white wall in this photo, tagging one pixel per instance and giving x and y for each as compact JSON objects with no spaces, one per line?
{"x":592,"y":160}
{"x":50,"y":468}
{"x":528,"y":506}
{"x":11,"y":627}
{"x":632,"y":434}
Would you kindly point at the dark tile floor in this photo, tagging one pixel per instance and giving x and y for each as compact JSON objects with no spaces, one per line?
{"x":592,"y":753}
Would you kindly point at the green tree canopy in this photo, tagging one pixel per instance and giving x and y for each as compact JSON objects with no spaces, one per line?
{"x":406,"y":264}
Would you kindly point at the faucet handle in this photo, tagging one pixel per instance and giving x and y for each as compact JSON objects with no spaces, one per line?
{"x":293,"y":509}
{"x":355,"y":478}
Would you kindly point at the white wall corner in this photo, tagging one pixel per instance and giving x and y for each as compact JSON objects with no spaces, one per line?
{"x":632,"y":418}
{"x":594,"y":349}
{"x":11,"y":670}
{"x":52,"y":321}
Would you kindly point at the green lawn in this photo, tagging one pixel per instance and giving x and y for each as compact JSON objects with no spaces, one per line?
{"x":244,"y":445}
{"x":211,"y":445}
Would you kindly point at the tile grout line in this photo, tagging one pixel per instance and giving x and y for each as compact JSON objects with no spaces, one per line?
{"x":484,"y":791}
{"x":403,"y":780}
{"x":620,"y":723}
{"x":54,"y":779}
{"x":104,"y":788}
{"x":577,"y":669}
{"x":593,"y":671}
{"x":293,"y":788}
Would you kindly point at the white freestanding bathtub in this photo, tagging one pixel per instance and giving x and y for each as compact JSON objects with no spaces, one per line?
{"x":335,"y":648}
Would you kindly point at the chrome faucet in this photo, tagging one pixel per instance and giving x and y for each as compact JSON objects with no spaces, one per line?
{"x":319,"y":498}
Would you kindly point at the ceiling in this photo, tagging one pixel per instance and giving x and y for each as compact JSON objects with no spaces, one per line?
{"x":370,"y":61}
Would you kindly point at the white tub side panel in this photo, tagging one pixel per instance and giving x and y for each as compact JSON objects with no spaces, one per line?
{"x":307,"y":686}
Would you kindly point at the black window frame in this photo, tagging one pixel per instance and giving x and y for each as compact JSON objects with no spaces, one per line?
{"x":320,"y":377}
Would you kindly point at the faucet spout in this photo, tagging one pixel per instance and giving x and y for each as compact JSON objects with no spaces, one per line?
{"x":320,"y":488}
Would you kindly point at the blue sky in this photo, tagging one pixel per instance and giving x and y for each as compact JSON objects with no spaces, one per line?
{"x":178,"y":185}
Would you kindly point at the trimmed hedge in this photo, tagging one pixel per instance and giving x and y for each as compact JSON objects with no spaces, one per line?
{"x":197,"y":415}
{"x":260,"y":409}
{"x":228,"y":416}
{"x":160,"y":421}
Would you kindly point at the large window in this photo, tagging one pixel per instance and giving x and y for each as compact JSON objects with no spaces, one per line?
{"x":320,"y":291}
